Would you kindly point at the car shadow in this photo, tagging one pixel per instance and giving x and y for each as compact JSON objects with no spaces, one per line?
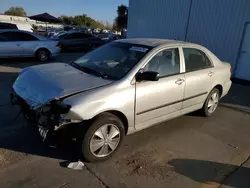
{"x":209,"y":172}
{"x":20,"y":60}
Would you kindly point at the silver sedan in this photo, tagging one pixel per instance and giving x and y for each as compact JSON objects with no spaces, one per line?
{"x":120,"y":88}
{"x":17,"y":43}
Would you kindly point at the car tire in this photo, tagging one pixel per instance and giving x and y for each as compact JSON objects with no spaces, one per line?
{"x":211,"y":103}
{"x":102,"y":139}
{"x":43,"y":55}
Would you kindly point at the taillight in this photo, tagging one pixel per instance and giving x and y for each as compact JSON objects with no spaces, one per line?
{"x":58,"y":45}
{"x":230,"y":69}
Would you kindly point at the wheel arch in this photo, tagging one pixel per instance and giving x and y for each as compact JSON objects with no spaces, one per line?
{"x":118,"y":114}
{"x":42,"y":48}
{"x":219,"y":87}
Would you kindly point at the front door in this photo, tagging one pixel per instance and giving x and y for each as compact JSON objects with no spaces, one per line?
{"x":20,"y":43}
{"x":156,"y":101}
{"x":243,"y":68}
{"x":3,"y":41}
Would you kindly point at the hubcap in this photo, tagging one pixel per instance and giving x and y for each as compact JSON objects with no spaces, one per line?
{"x":105,"y":140}
{"x":43,"y":55}
{"x":213,"y":103}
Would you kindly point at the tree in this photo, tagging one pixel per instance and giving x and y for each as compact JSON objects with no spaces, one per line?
{"x":16,"y":11}
{"x":122,"y":17}
{"x":115,"y":28}
{"x":108,"y":26}
{"x":81,"y":20}
{"x":66,"y":19}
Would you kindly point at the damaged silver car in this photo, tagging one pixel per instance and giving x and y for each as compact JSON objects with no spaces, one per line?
{"x":120,"y":88}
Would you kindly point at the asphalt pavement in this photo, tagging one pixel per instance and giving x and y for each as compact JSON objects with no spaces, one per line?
{"x":189,"y":151}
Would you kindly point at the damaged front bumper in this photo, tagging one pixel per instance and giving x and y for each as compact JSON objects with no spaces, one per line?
{"x":47,"y":118}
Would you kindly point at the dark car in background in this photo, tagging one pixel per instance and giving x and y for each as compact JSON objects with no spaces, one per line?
{"x":109,"y":36}
{"x":7,"y":26}
{"x":79,"y":41}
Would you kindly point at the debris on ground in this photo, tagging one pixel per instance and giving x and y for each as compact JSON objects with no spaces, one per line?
{"x":76,"y":165}
{"x":235,"y":147}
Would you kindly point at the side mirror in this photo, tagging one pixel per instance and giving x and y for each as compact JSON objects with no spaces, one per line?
{"x":147,"y":76}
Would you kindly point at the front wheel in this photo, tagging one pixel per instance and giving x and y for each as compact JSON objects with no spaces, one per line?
{"x":103,"y":138}
{"x":211,"y":102}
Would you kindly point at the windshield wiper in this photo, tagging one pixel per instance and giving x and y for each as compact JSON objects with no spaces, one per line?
{"x":89,"y":70}
{"x":73,"y":64}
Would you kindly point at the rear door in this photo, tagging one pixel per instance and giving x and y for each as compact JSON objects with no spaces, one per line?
{"x":83,"y":40}
{"x":8,"y":45}
{"x":74,"y":40}
{"x":3,"y":42}
{"x":199,"y":76}
{"x":21,"y":44}
{"x":27,"y":43}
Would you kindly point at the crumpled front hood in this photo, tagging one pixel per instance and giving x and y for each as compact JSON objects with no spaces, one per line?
{"x":39,"y":84}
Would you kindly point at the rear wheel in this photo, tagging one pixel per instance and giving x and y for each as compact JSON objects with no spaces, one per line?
{"x":211,"y":102}
{"x":43,"y":55}
{"x":103,"y":138}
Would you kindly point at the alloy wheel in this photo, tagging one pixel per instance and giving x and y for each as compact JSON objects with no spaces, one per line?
{"x":105,"y":140}
{"x":43,"y":55}
{"x":213,"y":103}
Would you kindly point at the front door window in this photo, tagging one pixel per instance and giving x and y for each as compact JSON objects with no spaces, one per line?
{"x":166,"y":63}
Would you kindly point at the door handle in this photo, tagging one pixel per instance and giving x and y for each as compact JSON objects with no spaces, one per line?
{"x":179,"y":81}
{"x":18,"y":44}
{"x":210,"y":73}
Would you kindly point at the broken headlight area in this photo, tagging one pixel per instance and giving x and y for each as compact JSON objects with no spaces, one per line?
{"x":48,"y":116}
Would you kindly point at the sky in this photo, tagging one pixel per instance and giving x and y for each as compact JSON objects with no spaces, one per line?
{"x":103,"y":10}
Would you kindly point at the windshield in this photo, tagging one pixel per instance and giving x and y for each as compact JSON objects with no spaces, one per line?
{"x":114,"y":60}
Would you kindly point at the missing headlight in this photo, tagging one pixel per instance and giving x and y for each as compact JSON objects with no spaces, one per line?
{"x":58,"y":107}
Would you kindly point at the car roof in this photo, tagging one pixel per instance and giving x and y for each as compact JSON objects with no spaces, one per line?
{"x":152,"y":42}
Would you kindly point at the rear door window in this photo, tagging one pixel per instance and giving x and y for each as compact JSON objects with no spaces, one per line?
{"x":8,"y":26}
{"x":196,"y":60}
{"x":18,"y":36}
{"x":81,"y":36}
{"x":3,"y":38}
{"x":67,"y":36}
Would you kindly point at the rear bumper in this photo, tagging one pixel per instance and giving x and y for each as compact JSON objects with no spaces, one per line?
{"x":55,"y":52}
{"x":226,"y":87}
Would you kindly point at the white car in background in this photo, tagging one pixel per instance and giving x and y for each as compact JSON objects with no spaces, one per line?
{"x":18,"y":43}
